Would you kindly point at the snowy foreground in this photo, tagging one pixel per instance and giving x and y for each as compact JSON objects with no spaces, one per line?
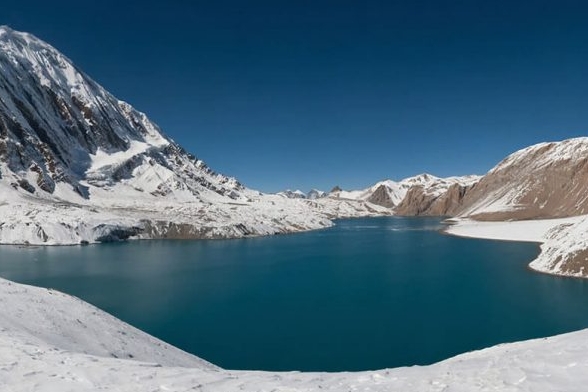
{"x":53,"y":342}
{"x":50,"y":341}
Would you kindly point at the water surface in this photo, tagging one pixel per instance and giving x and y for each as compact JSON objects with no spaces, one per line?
{"x":365,"y":294}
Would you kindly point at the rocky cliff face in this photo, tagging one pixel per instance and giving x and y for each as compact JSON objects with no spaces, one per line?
{"x":58,"y":126}
{"x":424,"y":194}
{"x":78,"y":165}
{"x":548,"y":180}
{"x":419,"y":201}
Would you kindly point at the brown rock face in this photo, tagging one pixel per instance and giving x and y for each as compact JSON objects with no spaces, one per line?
{"x":549,"y":180}
{"x":381,"y":197}
{"x":575,"y":264}
{"x":420,"y":202}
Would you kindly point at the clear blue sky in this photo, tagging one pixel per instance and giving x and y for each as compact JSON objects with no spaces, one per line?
{"x":302,"y":94}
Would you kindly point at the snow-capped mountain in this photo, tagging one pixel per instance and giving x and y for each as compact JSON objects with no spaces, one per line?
{"x":547,"y":180}
{"x":60,"y":129}
{"x":412,"y":196}
{"x":79,"y":165}
{"x":313,"y":194}
{"x":297,"y":194}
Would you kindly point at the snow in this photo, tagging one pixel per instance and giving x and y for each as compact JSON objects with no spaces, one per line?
{"x":561,"y":239}
{"x":103,"y":159}
{"x":44,"y":316}
{"x":54,"y":342}
{"x":559,"y":151}
{"x":563,"y":242}
{"x":525,"y":230}
{"x":397,"y":191}
{"x":28,"y":220}
{"x":542,"y":171}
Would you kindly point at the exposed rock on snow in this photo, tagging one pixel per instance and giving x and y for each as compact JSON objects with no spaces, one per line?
{"x":565,"y":250}
{"x":315,"y":194}
{"x":77,"y":165}
{"x":424,"y":194}
{"x":434,"y":196}
{"x":297,"y":194}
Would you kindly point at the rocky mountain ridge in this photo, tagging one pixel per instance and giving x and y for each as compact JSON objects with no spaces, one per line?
{"x":313,"y":194}
{"x":424,"y":194}
{"x":546,"y":180}
{"x":58,"y":126}
{"x":79,"y":165}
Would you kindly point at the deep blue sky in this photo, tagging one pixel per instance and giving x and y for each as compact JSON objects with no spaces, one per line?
{"x":302,"y":94}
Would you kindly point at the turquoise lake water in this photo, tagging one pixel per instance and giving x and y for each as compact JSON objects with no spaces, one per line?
{"x":365,"y":294}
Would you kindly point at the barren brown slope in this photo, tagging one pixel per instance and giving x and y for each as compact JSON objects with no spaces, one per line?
{"x":419,"y":201}
{"x":548,"y":180}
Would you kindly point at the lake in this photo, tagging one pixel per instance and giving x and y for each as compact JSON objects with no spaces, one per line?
{"x":365,"y":294}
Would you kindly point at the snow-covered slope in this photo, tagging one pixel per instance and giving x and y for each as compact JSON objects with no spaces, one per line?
{"x":53,"y":342}
{"x":547,"y":180}
{"x":78,"y":165}
{"x":58,"y":126}
{"x":564,"y":241}
{"x":48,"y":317}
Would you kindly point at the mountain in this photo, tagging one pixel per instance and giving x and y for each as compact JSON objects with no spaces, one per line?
{"x":297,"y":194}
{"x":60,"y":129}
{"x":79,"y":165}
{"x":424,"y":194}
{"x":543,"y":181}
{"x":433,"y":196}
{"x":547,"y":180}
{"x":313,"y":194}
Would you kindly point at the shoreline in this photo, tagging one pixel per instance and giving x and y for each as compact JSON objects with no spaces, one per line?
{"x":562,"y":241}
{"x":505,"y":230}
{"x":68,"y":346}
{"x":50,"y":337}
